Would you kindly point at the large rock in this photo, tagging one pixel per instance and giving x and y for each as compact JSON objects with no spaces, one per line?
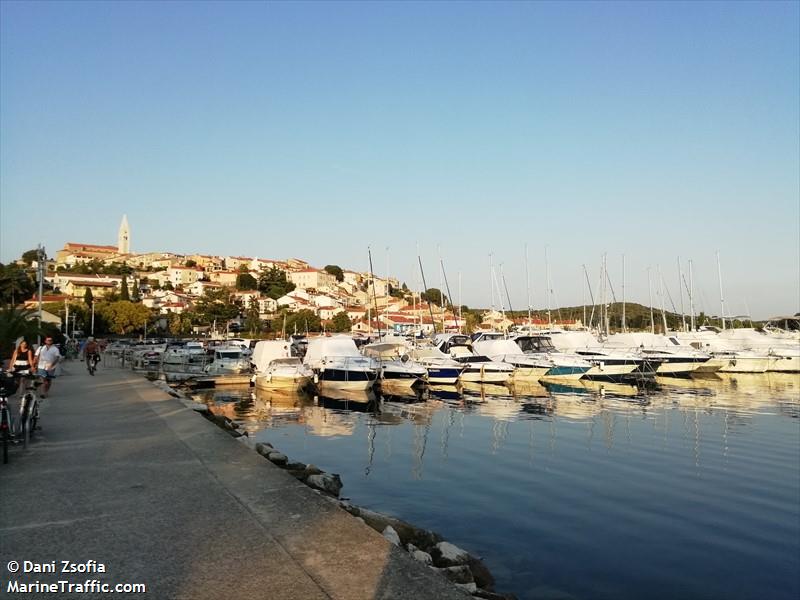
{"x":470,"y":588}
{"x":421,"y":538}
{"x":483,"y":577}
{"x":446,"y":554}
{"x":486,"y":595}
{"x":330,"y":483}
{"x":390,"y":534}
{"x":264,"y":449}
{"x":277,"y":458}
{"x":459,"y":574}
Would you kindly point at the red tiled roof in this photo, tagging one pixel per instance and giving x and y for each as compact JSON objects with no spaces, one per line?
{"x":71,"y":245}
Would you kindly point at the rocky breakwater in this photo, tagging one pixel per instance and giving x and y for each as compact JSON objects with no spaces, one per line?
{"x":455,"y":564}
{"x":458,"y":566}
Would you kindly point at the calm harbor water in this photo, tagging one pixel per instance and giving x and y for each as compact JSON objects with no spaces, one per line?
{"x":688,"y":489}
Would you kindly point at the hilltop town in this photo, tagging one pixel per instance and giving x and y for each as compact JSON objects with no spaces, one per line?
{"x":179,"y":289}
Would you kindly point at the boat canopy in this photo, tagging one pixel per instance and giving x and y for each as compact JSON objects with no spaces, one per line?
{"x":268,"y":350}
{"x":338,"y":345}
{"x":494,"y":348}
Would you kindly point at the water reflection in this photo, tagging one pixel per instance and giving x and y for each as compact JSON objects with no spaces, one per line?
{"x":738,"y":397}
{"x":592,"y":471}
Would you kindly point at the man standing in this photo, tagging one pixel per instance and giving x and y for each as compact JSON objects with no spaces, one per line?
{"x":45,"y":361}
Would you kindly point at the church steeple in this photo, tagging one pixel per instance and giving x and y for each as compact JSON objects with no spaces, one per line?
{"x":124,"y":237}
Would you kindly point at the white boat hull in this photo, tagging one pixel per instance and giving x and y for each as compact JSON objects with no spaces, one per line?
{"x":528,"y":374}
{"x":351,"y":386}
{"x":486,"y":376}
{"x":607,"y":370}
{"x":746,"y":365}
{"x":285,"y":383}
{"x":677,"y":368}
{"x":784,"y":364}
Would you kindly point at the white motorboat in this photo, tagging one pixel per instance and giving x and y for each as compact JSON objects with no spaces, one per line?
{"x":395,"y":366}
{"x":607,"y":363}
{"x":527,"y":367}
{"x":565,"y":366}
{"x":337,"y":364}
{"x":478,"y":368}
{"x":276,"y":368}
{"x":440,"y":368}
{"x":671,"y":356}
{"x":227,"y":361}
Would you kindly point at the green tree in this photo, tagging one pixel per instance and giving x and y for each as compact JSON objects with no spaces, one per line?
{"x":336,"y":271}
{"x":124,"y":317}
{"x":341,"y":322}
{"x":168,"y":286}
{"x":191,"y":263}
{"x":15,"y":323}
{"x":252,"y":319}
{"x":302,"y":321}
{"x":15,"y":284}
{"x":245,"y":281}
{"x":29,"y":256}
{"x":274,"y":284}
{"x":433,"y":295}
{"x":136,"y":296}
{"x":124,"y":293}
{"x":216,"y":305}
{"x":88,"y":297}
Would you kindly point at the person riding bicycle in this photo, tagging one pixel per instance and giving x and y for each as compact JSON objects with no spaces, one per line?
{"x":21,"y":364}
{"x":91,"y":352}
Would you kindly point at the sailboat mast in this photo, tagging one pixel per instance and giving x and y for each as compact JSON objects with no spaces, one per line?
{"x":460,"y":302}
{"x":549,"y":289}
{"x":374,"y":293}
{"x":661,"y":293}
{"x":691,"y":296}
{"x":528,"y":287}
{"x":680,"y":291}
{"x":650,"y":290}
{"x":721,"y":297}
{"x":425,"y":285}
{"x":491,"y":281}
{"x":624,"y":327}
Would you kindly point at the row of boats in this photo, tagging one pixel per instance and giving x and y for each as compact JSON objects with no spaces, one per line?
{"x":338,"y":362}
{"x":528,"y":356}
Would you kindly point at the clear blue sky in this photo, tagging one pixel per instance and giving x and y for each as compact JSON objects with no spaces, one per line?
{"x":313,"y":130}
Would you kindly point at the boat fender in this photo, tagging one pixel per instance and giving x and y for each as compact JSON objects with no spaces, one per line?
{"x":316,"y":378}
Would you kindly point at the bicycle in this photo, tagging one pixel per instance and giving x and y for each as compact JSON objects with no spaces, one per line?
{"x":7,"y":387}
{"x":91,"y":362}
{"x":29,"y":407}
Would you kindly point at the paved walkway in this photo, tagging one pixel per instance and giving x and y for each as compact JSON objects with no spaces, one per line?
{"x":125,"y":475}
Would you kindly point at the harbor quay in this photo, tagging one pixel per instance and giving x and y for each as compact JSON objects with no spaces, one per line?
{"x":126,"y":490}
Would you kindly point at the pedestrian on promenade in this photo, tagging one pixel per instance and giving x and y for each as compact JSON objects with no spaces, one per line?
{"x":46,"y":359}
